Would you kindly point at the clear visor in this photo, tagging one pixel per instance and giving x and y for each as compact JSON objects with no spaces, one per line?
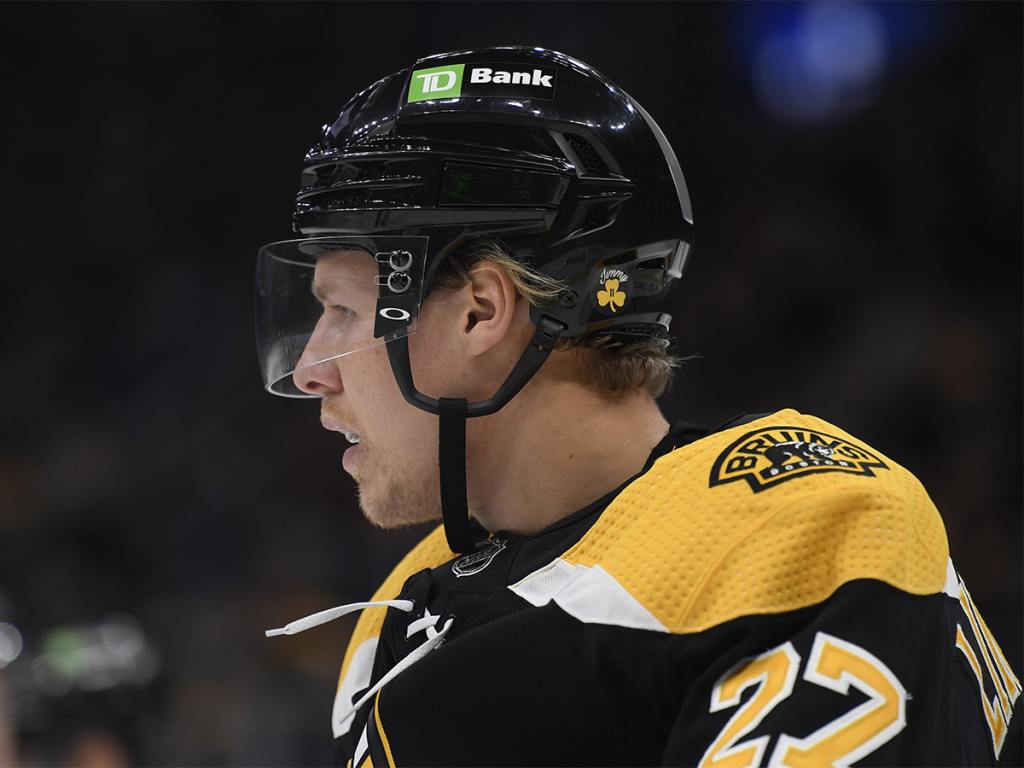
{"x":320,"y":299}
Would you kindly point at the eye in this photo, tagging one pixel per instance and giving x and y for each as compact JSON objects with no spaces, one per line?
{"x":342,"y":310}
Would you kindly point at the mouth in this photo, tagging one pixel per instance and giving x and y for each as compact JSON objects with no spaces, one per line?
{"x":352,"y":454}
{"x":334,"y":425}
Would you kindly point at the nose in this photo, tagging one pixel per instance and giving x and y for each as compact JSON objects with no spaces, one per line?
{"x":316,"y":373}
{"x":319,"y":379}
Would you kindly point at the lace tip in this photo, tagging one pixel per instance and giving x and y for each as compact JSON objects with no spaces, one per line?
{"x":275,"y":632}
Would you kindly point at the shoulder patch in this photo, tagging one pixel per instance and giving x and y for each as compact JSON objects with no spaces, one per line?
{"x":696,"y":554}
{"x":771,"y":455}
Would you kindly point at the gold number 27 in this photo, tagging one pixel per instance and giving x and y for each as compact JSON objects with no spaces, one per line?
{"x":835,"y":664}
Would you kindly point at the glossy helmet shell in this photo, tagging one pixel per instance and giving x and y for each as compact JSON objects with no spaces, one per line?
{"x":535,"y":149}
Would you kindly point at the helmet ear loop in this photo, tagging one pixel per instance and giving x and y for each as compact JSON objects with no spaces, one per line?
{"x":462,"y":535}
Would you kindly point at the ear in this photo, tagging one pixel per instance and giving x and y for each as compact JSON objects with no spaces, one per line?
{"x":489,"y":308}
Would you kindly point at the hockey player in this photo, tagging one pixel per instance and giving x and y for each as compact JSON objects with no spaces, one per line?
{"x":488,"y":240}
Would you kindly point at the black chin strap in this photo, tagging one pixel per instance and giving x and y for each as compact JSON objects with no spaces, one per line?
{"x":461,"y":530}
{"x":452,"y":455}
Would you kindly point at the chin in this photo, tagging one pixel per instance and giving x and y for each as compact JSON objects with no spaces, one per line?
{"x":399,"y":505}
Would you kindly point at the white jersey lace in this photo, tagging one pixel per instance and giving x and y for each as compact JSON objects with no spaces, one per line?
{"x":428,"y":622}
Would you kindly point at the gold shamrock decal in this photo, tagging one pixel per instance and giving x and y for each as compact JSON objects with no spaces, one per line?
{"x":611,"y":296}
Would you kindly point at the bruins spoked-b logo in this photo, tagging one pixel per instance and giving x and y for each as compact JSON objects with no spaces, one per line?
{"x":769,"y":456}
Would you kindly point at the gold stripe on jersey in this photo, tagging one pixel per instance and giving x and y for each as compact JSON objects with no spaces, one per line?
{"x":696,"y":552}
{"x":380,"y":731}
{"x":430,"y":552}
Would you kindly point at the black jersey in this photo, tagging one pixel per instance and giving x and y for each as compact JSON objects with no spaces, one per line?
{"x":774,"y":592}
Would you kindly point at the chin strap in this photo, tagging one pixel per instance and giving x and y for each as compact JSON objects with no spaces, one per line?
{"x":452,"y":460}
{"x":462,"y":531}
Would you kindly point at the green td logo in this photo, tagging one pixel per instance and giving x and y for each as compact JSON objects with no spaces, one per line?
{"x":436,"y":83}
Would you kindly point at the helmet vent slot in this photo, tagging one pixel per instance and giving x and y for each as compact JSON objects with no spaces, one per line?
{"x":598,"y":216}
{"x":326,"y":175}
{"x":589,"y":157}
{"x":356,"y":198}
{"x":492,"y":135}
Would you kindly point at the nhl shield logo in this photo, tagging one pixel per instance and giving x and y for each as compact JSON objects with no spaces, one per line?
{"x":767,"y":457}
{"x":473,"y":563}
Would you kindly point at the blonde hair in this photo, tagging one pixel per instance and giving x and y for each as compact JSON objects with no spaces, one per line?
{"x":614,"y":363}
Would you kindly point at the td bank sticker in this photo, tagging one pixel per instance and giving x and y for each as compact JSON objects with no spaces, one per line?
{"x":481,"y":79}
{"x":436,"y":83}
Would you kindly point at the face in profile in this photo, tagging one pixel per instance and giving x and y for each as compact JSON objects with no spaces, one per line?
{"x":394,"y":461}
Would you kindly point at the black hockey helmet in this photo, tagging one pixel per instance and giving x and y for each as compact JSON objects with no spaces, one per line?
{"x":524,"y":145}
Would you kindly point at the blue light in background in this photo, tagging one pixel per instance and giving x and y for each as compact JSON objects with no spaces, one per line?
{"x":823,"y":60}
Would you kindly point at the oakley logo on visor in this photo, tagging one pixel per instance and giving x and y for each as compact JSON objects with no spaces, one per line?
{"x":394,"y":313}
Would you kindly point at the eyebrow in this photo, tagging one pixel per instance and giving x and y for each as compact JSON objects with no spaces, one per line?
{"x":320,"y":291}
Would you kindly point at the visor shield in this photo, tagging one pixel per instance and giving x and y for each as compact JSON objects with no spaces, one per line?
{"x":319,"y":299}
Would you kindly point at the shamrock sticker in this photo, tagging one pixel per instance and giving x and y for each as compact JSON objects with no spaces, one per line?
{"x":611,"y":296}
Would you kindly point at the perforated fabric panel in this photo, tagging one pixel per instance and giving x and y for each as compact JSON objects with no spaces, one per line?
{"x":697,"y":554}
{"x":430,"y":552}
{"x":540,"y":586}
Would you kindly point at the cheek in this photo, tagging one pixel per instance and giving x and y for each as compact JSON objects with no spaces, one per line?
{"x":437,"y":371}
{"x":401,"y":429}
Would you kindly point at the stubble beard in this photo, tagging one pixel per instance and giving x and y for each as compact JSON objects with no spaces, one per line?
{"x":395,"y":502}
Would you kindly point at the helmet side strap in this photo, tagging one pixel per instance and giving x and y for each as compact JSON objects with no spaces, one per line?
{"x":453,"y":412}
{"x":452,"y":461}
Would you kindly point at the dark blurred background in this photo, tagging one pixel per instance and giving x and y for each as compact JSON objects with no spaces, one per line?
{"x":855,"y":170}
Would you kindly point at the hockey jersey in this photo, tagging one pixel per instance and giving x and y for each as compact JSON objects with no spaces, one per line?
{"x":774,"y":592}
